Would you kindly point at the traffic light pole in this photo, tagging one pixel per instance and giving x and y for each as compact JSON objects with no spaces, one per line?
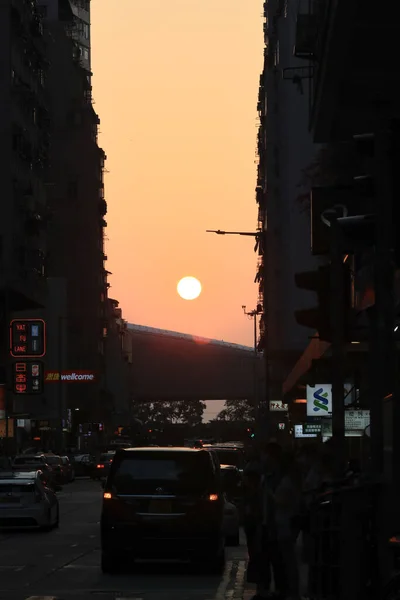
{"x":265,"y":398}
{"x":337,"y":307}
{"x":383,"y":356}
{"x":383,"y":314}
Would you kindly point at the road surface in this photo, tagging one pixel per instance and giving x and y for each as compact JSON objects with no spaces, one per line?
{"x":64,"y":564}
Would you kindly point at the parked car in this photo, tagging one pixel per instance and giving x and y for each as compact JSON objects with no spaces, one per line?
{"x":25,"y":502}
{"x":102,"y":467}
{"x":36,"y":462}
{"x":232,"y":484}
{"x":82,"y":464}
{"x":162,"y":502}
{"x":230,"y":455}
{"x":68,"y":472}
{"x":231,"y":524}
{"x":55,"y":462}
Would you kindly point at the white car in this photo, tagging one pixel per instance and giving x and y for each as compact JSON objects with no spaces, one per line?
{"x":26,"y":502}
{"x":231,"y":524}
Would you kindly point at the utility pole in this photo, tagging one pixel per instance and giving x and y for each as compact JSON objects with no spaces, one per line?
{"x":383,"y":314}
{"x":384,"y":426}
{"x":253,"y":314}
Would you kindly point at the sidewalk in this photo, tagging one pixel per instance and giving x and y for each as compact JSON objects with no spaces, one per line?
{"x":250,"y":588}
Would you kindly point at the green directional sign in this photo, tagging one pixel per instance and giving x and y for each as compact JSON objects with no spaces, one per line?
{"x":312,"y":428}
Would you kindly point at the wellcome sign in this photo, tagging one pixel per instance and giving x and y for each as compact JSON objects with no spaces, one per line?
{"x":70,"y":377}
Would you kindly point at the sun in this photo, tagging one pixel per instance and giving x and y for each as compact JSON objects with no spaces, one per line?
{"x":189,"y":288}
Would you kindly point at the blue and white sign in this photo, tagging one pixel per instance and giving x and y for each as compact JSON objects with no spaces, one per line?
{"x":299,"y":432}
{"x":319,"y":400}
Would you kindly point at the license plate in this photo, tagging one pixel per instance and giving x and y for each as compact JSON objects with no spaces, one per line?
{"x":160,"y":507}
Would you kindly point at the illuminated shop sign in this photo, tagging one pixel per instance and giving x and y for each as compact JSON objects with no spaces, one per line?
{"x":70,"y":376}
{"x":27,"y":338}
{"x":28,"y":377}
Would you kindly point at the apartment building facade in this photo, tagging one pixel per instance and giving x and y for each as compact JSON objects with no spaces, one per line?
{"x":78,"y":206}
{"x":285,"y":149}
{"x":24,"y":156}
{"x":119,"y":356}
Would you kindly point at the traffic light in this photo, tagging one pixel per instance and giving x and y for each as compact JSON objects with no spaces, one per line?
{"x":250,"y":432}
{"x":352,"y":201}
{"x":319,"y":317}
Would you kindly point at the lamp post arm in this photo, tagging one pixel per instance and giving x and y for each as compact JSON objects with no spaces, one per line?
{"x":245,"y":233}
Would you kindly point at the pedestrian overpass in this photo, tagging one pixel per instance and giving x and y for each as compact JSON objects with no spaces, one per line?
{"x":169,"y":366}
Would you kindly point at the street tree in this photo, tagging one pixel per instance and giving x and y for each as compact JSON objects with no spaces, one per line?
{"x":160,"y":412}
{"x":237,"y":411}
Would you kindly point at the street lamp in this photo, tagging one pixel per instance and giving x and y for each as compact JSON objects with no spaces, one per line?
{"x":248,"y":233}
{"x":263,"y":406}
{"x":253,"y":314}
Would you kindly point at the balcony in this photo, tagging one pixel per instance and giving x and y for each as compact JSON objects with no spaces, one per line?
{"x":353,"y":48}
{"x":102,"y":207}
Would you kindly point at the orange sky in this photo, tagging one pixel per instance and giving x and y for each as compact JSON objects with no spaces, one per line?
{"x":175,"y":86}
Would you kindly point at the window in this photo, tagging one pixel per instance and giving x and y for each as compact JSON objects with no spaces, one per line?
{"x":141,"y":472}
{"x":230,"y":457}
{"x":53,"y":460}
{"x":85,"y":53}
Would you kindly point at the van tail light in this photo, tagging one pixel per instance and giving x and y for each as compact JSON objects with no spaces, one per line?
{"x":213,"y":497}
{"x":107,"y":496}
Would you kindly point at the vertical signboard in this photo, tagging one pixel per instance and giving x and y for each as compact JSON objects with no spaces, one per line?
{"x":27,"y":338}
{"x":28,"y":377}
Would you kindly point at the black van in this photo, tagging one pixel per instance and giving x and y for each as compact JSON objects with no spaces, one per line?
{"x":162,"y":503}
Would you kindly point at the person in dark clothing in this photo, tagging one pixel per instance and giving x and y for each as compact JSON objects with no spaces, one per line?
{"x":252,"y":518}
{"x":262,"y":476}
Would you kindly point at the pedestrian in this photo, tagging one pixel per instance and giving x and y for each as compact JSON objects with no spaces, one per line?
{"x":318,"y":469}
{"x":252,"y":511}
{"x":288,"y":512}
{"x":266,"y":559}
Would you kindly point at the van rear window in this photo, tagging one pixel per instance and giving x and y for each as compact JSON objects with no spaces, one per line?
{"x":27,"y":460}
{"x":173,"y":472}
